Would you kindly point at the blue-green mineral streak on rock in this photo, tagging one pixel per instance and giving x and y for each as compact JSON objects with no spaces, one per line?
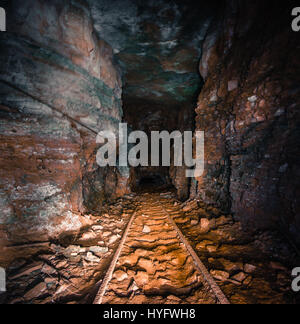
{"x":158,"y":45}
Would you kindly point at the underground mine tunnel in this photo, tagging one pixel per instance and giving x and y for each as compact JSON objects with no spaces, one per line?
{"x":75,"y":232}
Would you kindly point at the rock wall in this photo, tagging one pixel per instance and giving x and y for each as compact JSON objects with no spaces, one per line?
{"x":59,"y":88}
{"x":249,"y":110}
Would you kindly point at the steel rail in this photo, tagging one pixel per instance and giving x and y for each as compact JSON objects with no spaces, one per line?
{"x":199,"y":264}
{"x":109,"y":274}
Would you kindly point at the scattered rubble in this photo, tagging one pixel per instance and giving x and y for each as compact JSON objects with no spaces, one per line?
{"x":220,"y":275}
{"x":73,"y":269}
{"x":235,"y":258}
{"x":67,"y":269}
{"x":146,"y":229}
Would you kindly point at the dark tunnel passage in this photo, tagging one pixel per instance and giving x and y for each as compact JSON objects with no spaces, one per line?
{"x":79,"y":226}
{"x":153,"y":181}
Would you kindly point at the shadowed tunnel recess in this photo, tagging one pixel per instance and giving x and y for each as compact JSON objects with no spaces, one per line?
{"x":69,"y":69}
{"x":151,"y":181}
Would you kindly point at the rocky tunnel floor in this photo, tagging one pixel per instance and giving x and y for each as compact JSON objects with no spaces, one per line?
{"x":154,"y":266}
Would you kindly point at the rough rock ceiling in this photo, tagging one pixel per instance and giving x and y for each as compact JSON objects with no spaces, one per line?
{"x":157,"y":44}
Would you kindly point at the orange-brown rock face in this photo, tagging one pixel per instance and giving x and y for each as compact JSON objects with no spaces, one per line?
{"x":249,"y":109}
{"x":59,"y":87}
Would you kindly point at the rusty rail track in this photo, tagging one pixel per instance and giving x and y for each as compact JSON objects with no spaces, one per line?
{"x":111,"y":269}
{"x":211,"y":283}
{"x":198,"y":263}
